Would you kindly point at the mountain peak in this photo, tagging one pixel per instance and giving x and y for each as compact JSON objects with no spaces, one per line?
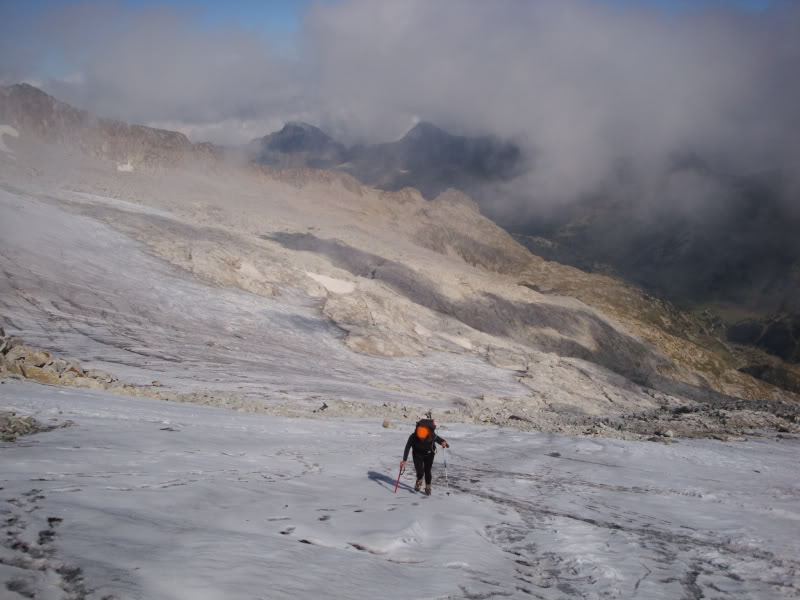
{"x":301,"y":126}
{"x":298,"y":144}
{"x":425,"y":129}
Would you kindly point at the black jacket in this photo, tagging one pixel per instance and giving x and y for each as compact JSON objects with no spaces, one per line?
{"x":421,"y":446}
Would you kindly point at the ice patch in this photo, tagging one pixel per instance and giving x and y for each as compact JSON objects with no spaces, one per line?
{"x":333,"y":285}
{"x":7,"y":130}
{"x":126,"y":168}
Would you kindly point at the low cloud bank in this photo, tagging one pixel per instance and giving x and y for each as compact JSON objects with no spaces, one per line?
{"x":608,"y":97}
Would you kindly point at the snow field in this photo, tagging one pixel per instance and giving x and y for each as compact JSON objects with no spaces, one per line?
{"x":72,"y":283}
{"x":174,"y":501}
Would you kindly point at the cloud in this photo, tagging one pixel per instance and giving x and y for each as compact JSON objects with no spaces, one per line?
{"x":597,"y":92}
{"x":165,"y":66}
{"x":588,"y":86}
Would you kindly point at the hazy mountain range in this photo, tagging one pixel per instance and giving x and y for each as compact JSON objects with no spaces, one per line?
{"x":426,"y":158}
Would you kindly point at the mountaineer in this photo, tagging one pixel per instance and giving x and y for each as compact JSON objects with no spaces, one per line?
{"x":423,"y":442}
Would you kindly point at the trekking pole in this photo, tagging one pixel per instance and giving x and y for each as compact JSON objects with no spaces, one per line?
{"x":402,"y":470}
{"x":446,"y":480}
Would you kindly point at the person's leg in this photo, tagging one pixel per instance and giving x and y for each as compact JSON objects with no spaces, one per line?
{"x":428,"y":466}
{"x":419,"y":465}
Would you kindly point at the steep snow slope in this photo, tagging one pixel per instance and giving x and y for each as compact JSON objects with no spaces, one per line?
{"x":73,"y":284}
{"x":146,"y":499}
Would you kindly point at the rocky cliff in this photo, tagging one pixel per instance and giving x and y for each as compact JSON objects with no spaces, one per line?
{"x":32,"y":112}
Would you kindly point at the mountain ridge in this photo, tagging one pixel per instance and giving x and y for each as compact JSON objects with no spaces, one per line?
{"x":426,"y":157}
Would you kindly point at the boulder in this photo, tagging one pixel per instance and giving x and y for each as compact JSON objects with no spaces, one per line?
{"x":28,"y":355}
{"x":59,"y":365}
{"x":92,"y":383}
{"x":73,"y":366}
{"x":10,"y":366}
{"x":12,"y":426}
{"x":100,"y":375}
{"x":40,"y":374}
{"x":65,"y":365}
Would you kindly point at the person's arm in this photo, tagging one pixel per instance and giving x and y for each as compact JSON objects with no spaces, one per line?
{"x":408,"y":447}
{"x":442,"y":442}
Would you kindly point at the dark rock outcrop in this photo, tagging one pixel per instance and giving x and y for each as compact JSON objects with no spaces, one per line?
{"x":426,"y":158}
{"x":298,"y":145}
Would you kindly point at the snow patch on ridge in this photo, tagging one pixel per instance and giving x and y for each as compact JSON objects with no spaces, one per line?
{"x":333,"y":285}
{"x":7,"y":130}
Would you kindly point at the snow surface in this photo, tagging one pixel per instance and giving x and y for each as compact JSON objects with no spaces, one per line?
{"x":158,"y":500}
{"x":147,"y":499}
{"x":7,"y":130}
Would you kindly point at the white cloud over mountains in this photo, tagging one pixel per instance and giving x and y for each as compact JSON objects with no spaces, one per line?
{"x":590,"y":88}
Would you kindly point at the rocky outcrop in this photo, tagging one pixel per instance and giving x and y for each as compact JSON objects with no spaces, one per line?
{"x":17,"y":359}
{"x":426,"y":158}
{"x":13,"y":426}
{"x":298,"y":145}
{"x":34,"y":113}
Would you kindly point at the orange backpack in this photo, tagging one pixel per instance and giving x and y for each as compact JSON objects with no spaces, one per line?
{"x":425,"y":428}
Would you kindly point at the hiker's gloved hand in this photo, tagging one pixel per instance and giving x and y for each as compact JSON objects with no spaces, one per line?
{"x":445,"y":445}
{"x":402,"y":464}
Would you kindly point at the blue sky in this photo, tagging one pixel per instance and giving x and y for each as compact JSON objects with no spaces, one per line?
{"x":278,"y":21}
{"x":273,"y":15}
{"x":283,"y":16}
{"x":211,"y":68}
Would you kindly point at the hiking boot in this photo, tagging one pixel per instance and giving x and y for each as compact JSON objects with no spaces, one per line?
{"x":427,"y":490}
{"x":418,"y":485}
